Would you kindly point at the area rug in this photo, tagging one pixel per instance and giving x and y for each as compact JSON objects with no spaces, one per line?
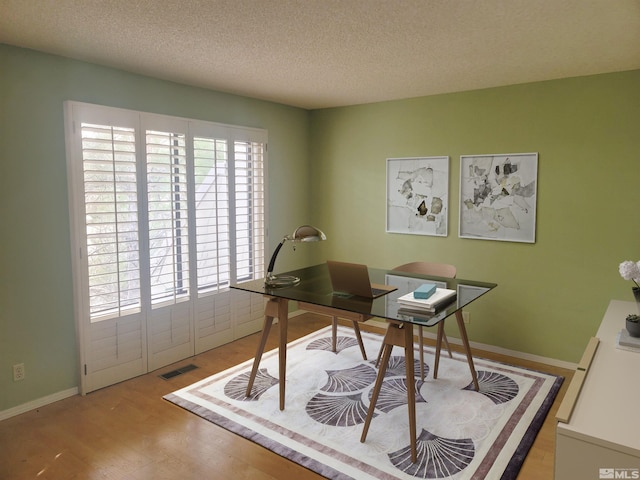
{"x":462,"y":434}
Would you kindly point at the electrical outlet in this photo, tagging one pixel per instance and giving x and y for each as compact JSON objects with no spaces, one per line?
{"x":18,"y":372}
{"x":466,"y":317}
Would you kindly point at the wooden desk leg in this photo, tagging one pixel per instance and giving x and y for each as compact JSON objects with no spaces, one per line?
{"x":411,"y":388}
{"x":268,"y":321}
{"x":384,"y":363}
{"x":334,"y":333}
{"x":467,"y":349}
{"x":402,"y":337}
{"x":274,"y":308}
{"x":283,"y":321}
{"x":436,"y":361}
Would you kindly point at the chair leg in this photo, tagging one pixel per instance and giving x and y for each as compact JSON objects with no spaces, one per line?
{"x":379,"y":355}
{"x":436,"y":360}
{"x":356,"y":329}
{"x":446,"y":342}
{"x":421,"y":351}
{"x":421,"y":347}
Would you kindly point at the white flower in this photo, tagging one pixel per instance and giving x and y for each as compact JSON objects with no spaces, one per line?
{"x":630,"y":271}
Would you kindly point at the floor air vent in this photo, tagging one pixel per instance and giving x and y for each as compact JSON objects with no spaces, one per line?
{"x":178,"y":371}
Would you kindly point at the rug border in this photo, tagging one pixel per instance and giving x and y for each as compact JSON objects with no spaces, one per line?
{"x":245,"y":433}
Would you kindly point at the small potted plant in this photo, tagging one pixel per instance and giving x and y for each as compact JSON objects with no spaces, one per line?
{"x":631,"y":271}
{"x":633,"y":325}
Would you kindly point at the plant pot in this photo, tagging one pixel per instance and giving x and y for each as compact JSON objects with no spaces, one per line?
{"x":633,"y":328}
{"x":636,"y":294}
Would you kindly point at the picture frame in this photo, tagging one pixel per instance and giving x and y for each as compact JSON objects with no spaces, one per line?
{"x":418,"y":195}
{"x":498,"y":197}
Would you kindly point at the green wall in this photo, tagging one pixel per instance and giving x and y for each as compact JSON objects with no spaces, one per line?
{"x":36,"y":310}
{"x":551,"y":295}
{"x":327,"y":167}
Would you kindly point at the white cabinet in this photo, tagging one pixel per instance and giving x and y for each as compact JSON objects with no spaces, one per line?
{"x":599,"y":420}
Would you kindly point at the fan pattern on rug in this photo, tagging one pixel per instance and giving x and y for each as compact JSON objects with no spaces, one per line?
{"x":461,"y":433}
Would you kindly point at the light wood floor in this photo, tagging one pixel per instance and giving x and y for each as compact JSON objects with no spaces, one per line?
{"x":127,"y":431}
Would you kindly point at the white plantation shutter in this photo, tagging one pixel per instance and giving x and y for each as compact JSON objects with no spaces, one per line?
{"x":111,"y":207}
{"x":170,"y":333}
{"x":211,"y":158}
{"x":114,"y":343}
{"x":247,"y":312}
{"x":166,"y":214}
{"x":250,"y":225}
{"x":215,"y":321}
{"x":230,"y":231}
{"x":249,"y":209}
{"x":214,"y":215}
{"x":168,"y":217}
{"x":105,"y":204}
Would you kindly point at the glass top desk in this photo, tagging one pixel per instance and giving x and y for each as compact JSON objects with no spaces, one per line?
{"x":314,"y":293}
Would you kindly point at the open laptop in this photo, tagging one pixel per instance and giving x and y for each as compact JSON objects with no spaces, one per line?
{"x":353,"y":279}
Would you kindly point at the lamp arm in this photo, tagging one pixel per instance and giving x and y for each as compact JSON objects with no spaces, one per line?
{"x":273,"y":257}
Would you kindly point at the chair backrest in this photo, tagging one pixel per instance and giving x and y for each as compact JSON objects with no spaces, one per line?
{"x":429,"y":268}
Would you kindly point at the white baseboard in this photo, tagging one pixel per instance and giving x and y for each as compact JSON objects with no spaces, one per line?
{"x":39,"y":402}
{"x":493,"y":349}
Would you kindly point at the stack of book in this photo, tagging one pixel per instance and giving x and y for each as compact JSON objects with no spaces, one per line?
{"x":430,"y":301}
{"x":627,"y":342}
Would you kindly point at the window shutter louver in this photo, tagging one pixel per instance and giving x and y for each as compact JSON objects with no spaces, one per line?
{"x":211,"y":159}
{"x":111,"y":208}
{"x":249,"y":209}
{"x":168,"y":221}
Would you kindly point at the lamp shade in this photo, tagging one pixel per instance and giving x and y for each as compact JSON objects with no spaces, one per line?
{"x":307,"y":233}
{"x":304,"y":233}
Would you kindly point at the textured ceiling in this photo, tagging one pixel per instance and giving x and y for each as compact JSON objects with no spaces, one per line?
{"x":325,"y":53}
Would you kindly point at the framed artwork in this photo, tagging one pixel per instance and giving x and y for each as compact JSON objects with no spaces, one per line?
{"x":417,"y":195}
{"x":498,"y":195}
